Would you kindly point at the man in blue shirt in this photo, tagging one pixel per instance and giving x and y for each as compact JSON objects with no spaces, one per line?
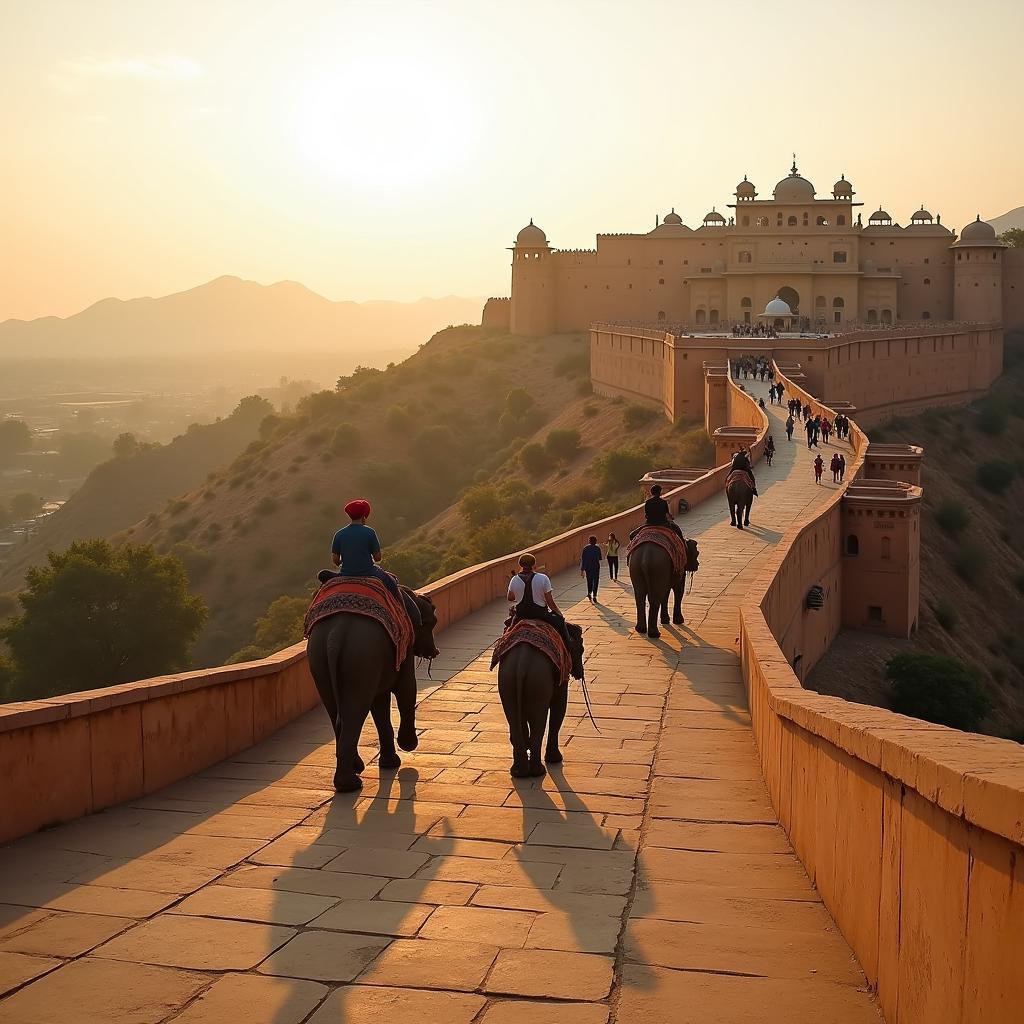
{"x":590,"y":566}
{"x":355,"y":550}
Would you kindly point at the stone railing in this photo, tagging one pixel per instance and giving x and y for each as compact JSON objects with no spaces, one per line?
{"x":66,"y":756}
{"x":912,"y":833}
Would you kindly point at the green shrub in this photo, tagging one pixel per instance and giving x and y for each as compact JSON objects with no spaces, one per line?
{"x":995,"y":475}
{"x":265,"y":505}
{"x":345,"y":440}
{"x":196,"y":561}
{"x":182,"y":528}
{"x":969,"y":562}
{"x":946,"y":616}
{"x":534,"y":459}
{"x":635,"y":416}
{"x":584,"y":387}
{"x":992,"y":420}
{"x":562,"y":444}
{"x":176,"y":506}
{"x":953,"y":516}
{"x":590,"y":410}
{"x":937,"y":689}
{"x":315,"y":438}
{"x":501,"y":537}
{"x":398,"y":419}
{"x":623,"y":467}
{"x":575,"y":364}
{"x":480,"y":505}
{"x":696,"y":449}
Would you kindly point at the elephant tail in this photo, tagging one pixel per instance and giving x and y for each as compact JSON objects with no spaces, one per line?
{"x":334,"y":648}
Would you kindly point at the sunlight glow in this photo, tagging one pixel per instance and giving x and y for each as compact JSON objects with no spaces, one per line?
{"x":382,"y":122}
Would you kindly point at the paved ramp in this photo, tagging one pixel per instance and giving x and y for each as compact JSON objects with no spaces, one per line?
{"x":646,"y":880}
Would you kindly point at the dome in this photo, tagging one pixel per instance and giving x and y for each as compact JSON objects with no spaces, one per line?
{"x":842,"y":187}
{"x":778,"y":307}
{"x":531,"y":235}
{"x":714,"y":217}
{"x":979,"y":232}
{"x":794,"y":189}
{"x":672,"y":218}
{"x":921,"y":216}
{"x":879,"y":217}
{"x":745,"y":189}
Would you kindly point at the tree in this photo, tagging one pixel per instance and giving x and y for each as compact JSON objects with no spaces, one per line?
{"x":125,"y":445}
{"x":563,"y":445}
{"x":500,"y":537}
{"x":96,"y":615}
{"x":24,"y":506}
{"x":937,"y":689}
{"x":346,"y":439}
{"x":1014,"y":237}
{"x":252,"y":408}
{"x":517,"y":402}
{"x":480,"y":505}
{"x":623,"y":467}
{"x":15,"y":437}
{"x":279,"y":627}
{"x":534,"y":459}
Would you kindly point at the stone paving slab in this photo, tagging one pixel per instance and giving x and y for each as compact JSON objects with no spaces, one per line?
{"x":646,"y":879}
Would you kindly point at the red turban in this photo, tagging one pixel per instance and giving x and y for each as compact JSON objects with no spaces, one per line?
{"x":359,"y":508}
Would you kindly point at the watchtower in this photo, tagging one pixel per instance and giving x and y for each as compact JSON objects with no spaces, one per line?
{"x":533,"y":283}
{"x":978,"y":275}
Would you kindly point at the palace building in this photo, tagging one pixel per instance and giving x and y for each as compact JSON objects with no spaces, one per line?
{"x":835,"y":267}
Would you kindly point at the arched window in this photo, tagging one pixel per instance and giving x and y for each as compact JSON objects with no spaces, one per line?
{"x":701,"y":316}
{"x":872,"y":316}
{"x":791,"y":222}
{"x":778,"y":220}
{"x":841,"y":220}
{"x":926,"y":315}
{"x":745,"y":303}
{"x":713,"y":317}
{"x":927,"y":280}
{"x":805,"y":220}
{"x":886,"y":316}
{"x":886,"y":548}
{"x":838,"y":303}
{"x":661,"y":314}
{"x":761,"y":222}
{"x":852,"y":545}
{"x":839,"y":256}
{"x":661,"y":280}
{"x":745,"y":256}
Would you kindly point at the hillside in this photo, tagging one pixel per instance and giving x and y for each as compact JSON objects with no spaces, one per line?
{"x":1008,"y":221}
{"x":972,"y":562}
{"x":229,"y":315}
{"x":411,"y":439}
{"x":123,"y":490}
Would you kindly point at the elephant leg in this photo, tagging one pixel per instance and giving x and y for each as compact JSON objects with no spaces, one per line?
{"x":354,"y":709}
{"x":381,"y":711}
{"x":746,"y":518}
{"x":677,"y":607}
{"x":405,"y":696}
{"x":516,"y":736}
{"x":653,"y":609}
{"x":640,"y":596}
{"x":537,"y":719}
{"x":559,"y":704}
{"x":665,"y":620}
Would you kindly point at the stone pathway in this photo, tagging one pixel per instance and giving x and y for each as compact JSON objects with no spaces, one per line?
{"x":647,"y":880}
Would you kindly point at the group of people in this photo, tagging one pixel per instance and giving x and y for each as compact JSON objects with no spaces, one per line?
{"x":753,"y":367}
{"x":590,"y":563}
{"x":775,"y":393}
{"x":754,"y":331}
{"x":837,"y":465}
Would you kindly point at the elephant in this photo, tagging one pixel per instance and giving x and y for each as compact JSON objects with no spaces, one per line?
{"x":651,"y":573}
{"x":531,"y":691}
{"x":740,"y":496}
{"x":352,"y":659}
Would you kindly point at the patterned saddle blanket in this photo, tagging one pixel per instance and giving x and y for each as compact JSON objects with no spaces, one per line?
{"x":741,"y":474}
{"x":363,"y":595}
{"x":666,"y":538}
{"x":537,"y":634}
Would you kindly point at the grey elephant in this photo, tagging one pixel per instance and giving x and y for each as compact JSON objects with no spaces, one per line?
{"x":352,"y":659}
{"x":533,"y":696}
{"x":653,"y":576}
{"x":740,"y":496}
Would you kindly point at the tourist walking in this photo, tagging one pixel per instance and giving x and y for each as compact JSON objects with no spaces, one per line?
{"x":819,"y":468}
{"x":834,"y":466}
{"x":826,"y":429}
{"x":842,"y":467}
{"x":769,"y":449}
{"x":789,"y":427}
{"x":612,"y":547}
{"x":590,"y":566}
{"x":809,"y":429}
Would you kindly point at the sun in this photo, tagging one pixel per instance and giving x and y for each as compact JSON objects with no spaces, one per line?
{"x":382,"y":123}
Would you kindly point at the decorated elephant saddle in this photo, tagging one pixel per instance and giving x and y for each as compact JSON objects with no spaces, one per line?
{"x":741,"y":474}
{"x":666,"y":538}
{"x":363,"y":595}
{"x":537,"y":634}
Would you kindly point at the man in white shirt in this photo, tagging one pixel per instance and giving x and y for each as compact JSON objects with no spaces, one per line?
{"x":531,"y":594}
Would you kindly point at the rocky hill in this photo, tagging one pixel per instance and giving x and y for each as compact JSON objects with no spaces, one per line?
{"x":229,"y":315}
{"x":972,"y":560}
{"x":1013,"y":219}
{"x":478,"y":443}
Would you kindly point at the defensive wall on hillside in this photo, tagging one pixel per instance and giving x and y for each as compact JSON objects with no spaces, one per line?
{"x":878,"y":372}
{"x":913,"y":833}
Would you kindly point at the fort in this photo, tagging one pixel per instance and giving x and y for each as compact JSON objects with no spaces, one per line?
{"x":728,"y":839}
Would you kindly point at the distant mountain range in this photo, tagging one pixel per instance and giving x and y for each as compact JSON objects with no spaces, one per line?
{"x":231,"y":315}
{"x":1013,"y":219}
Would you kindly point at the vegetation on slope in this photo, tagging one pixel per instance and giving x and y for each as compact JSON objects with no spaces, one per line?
{"x":972,"y":562}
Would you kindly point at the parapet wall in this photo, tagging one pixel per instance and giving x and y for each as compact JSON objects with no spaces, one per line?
{"x":67,"y":756}
{"x":913,"y":833}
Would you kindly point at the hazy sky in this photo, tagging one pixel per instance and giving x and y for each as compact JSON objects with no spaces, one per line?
{"x":393,"y":149}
